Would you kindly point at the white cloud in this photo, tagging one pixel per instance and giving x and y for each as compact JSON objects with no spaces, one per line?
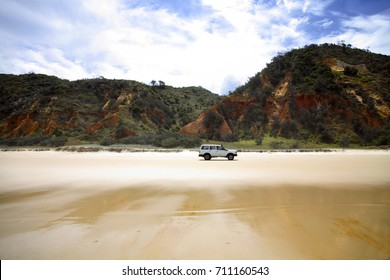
{"x":153,"y":44}
{"x":366,"y":32}
{"x":315,"y":7}
{"x":225,"y":43}
{"x":235,"y":38}
{"x":324,"y":23}
{"x":48,"y":61}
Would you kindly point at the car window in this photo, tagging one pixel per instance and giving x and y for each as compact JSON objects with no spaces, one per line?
{"x":213,"y":147}
{"x":205,"y":147}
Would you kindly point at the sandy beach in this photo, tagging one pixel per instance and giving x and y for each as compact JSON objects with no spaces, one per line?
{"x":64,"y":205}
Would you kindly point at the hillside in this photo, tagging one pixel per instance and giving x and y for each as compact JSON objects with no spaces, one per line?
{"x":321,"y":93}
{"x":326,"y":93}
{"x":37,"y":109}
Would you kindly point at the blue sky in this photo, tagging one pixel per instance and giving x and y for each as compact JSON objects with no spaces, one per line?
{"x":216,"y":44}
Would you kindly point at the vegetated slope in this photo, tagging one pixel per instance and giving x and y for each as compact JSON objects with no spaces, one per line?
{"x":41,"y":109}
{"x":326,"y":93}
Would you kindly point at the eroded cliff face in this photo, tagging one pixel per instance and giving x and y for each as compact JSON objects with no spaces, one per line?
{"x":41,"y":105}
{"x":17,"y":126}
{"x":198,"y":127}
{"x":49,"y":120}
{"x":230,"y":109}
{"x":328,"y":102}
{"x":325,"y":93}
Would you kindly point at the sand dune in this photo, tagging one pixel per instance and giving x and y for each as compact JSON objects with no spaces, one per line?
{"x":61,"y":205}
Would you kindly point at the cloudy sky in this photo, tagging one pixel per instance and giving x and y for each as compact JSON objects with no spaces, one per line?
{"x":216,"y":44}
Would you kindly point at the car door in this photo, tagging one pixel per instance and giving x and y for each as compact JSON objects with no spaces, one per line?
{"x":213,"y":151}
{"x":220,"y":151}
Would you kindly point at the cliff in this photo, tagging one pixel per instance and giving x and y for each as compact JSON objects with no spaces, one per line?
{"x":325,"y":93}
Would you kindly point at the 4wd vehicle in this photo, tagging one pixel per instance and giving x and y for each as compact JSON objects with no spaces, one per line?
{"x":207,"y":151}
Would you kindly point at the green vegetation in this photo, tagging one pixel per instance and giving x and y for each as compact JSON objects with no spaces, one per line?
{"x":45,"y":141}
{"x":164,"y":139}
{"x":283,"y":144}
{"x":299,"y":96}
{"x":44,"y":110}
{"x":319,"y":96}
{"x":350,"y":71}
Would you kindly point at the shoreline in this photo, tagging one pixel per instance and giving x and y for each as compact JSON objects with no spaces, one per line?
{"x":140,"y":149}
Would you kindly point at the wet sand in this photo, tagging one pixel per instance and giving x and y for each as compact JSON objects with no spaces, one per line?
{"x":62,"y":205}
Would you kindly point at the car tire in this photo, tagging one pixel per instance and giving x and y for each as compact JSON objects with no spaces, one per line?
{"x":230,"y":156}
{"x":207,"y":156}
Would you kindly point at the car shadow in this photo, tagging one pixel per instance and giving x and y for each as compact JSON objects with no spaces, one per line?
{"x":219,"y":159}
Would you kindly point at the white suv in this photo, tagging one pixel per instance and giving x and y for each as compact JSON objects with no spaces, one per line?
{"x":207,"y":151}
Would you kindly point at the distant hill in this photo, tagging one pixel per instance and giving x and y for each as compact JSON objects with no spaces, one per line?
{"x":324,"y":93}
{"x":37,"y":109}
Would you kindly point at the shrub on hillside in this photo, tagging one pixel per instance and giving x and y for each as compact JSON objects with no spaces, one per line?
{"x":164,"y":139}
{"x":212,"y":121}
{"x":344,"y":142}
{"x":350,"y":71}
{"x":35,"y":140}
{"x":382,"y":140}
{"x":170,"y":142}
{"x":55,"y":141}
{"x":107,"y":141}
{"x":276,"y":145}
{"x":259,"y":140}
